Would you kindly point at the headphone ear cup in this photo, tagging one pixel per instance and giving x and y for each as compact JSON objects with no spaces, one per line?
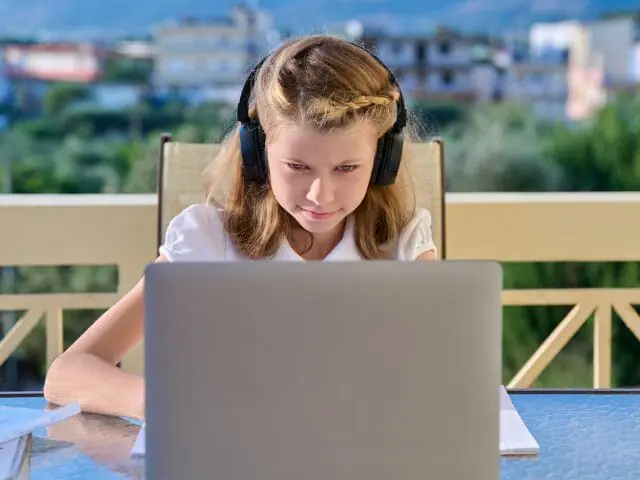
{"x":252,"y":148}
{"x":260,"y":142}
{"x":388,"y":158}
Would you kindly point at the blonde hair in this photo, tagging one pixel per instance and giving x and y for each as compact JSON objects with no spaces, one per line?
{"x":328,"y":83}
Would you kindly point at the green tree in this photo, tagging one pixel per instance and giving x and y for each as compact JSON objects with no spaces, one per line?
{"x":605,"y":155}
{"x":127,"y":70}
{"x":498,"y":148}
{"x":435,"y":117}
{"x":60,"y":96}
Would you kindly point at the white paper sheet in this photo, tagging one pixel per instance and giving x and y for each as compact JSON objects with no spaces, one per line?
{"x":16,"y":422}
{"x":515,"y":437}
{"x":139,"y":445}
{"x":13,"y":458}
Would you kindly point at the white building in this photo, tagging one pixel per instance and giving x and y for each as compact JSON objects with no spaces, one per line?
{"x":555,"y":41}
{"x":135,"y":49}
{"x":215,"y":55}
{"x":616,"y":40}
{"x":635,"y":64}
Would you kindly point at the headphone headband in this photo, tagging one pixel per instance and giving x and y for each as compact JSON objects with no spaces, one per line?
{"x":253,"y":142}
{"x":243,"y":104}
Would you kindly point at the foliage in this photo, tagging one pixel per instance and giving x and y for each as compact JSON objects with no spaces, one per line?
{"x":488,"y":148}
{"x":605,"y":155}
{"x":435,"y":117}
{"x":498,"y":148}
{"x":127,"y":70}
{"x":61,"y":96}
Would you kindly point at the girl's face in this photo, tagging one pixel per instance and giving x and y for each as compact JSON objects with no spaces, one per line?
{"x":320,"y":178}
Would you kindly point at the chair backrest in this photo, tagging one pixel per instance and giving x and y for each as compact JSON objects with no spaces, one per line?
{"x":182,"y":165}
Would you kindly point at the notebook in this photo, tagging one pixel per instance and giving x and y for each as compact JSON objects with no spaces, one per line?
{"x":515,"y":437}
{"x":16,"y":422}
{"x":14,"y":458}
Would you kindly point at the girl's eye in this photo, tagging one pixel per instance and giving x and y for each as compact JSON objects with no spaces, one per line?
{"x":346,"y":168}
{"x":296,"y":166}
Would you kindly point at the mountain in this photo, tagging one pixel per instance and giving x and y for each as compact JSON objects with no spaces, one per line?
{"x":120,"y":17}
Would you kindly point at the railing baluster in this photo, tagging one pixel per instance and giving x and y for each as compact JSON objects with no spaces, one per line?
{"x":602,"y":347}
{"x":54,"y":334}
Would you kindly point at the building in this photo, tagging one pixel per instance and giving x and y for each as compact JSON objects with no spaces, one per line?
{"x":437,"y":67}
{"x":555,"y":72}
{"x":65,"y":62}
{"x":211,"y":55}
{"x":31,"y":68}
{"x":134,"y":49}
{"x":635,"y":63}
{"x":617,"y":41}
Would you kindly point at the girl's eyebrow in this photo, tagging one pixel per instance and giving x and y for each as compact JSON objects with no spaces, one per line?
{"x":349,"y":161}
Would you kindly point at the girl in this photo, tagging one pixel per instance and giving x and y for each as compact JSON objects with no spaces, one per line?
{"x":320,"y":176}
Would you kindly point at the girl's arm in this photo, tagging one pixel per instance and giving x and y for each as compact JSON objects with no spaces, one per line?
{"x":87,"y":371}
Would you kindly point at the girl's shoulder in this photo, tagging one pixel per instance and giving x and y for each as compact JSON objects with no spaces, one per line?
{"x":417,"y":237}
{"x":197,"y":234}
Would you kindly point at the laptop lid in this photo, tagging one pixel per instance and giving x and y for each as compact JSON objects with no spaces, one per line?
{"x":320,"y":370}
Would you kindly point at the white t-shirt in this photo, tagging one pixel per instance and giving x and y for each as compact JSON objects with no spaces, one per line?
{"x":197,"y":234}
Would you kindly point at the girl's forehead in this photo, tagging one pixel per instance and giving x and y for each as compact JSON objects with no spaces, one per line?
{"x":304,"y":142}
{"x":300,"y":133}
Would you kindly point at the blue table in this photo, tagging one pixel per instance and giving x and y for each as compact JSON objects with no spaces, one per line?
{"x":583,"y":435}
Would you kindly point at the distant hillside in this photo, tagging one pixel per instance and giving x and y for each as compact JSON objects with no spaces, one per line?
{"x":117,"y":17}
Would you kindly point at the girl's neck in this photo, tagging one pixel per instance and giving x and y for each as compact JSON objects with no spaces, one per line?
{"x":321,"y":243}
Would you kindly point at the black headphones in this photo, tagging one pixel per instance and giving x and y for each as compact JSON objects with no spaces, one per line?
{"x":252,"y":137}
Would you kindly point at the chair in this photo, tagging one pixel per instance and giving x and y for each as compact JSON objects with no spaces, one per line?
{"x":180,"y":181}
{"x":180,"y":184}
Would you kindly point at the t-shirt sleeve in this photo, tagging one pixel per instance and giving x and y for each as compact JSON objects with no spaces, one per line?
{"x":194,"y":235}
{"x":417,"y":237}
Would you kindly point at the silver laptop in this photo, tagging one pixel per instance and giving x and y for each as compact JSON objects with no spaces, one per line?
{"x":376,"y":370}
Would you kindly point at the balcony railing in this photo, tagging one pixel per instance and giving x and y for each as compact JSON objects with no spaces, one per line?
{"x":50,"y":230}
